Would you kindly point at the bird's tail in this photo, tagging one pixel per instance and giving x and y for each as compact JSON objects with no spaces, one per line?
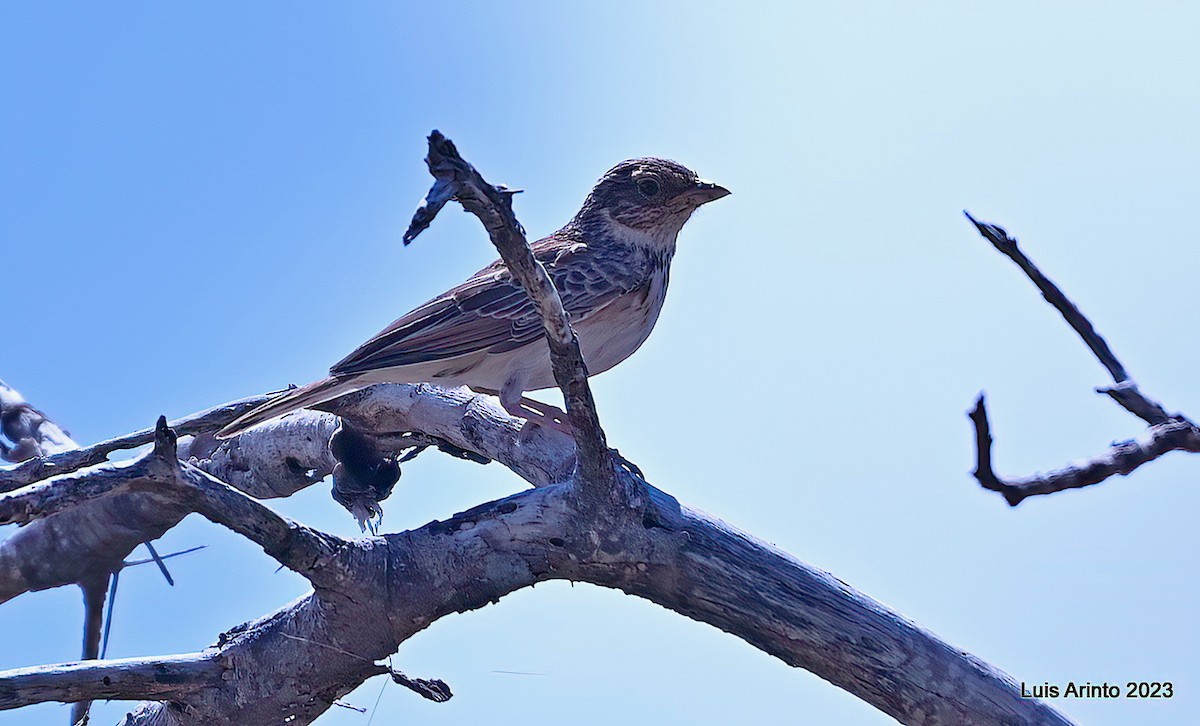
{"x":292,"y":400}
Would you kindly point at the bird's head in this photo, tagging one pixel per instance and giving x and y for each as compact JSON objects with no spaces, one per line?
{"x":648,"y":197}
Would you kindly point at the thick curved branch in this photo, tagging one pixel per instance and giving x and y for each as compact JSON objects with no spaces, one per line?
{"x":467,"y":420}
{"x":275,"y":460}
{"x":97,"y":535}
{"x":1167,"y":432}
{"x":703,"y":568}
{"x":291,"y":453}
{"x":93,"y":538}
{"x":679,"y":558}
{"x":372,"y":594}
{"x":676,"y":557}
{"x":38,"y":439}
{"x":78,"y":542}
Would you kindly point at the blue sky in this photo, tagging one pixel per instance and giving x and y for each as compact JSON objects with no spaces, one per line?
{"x":201,"y":202}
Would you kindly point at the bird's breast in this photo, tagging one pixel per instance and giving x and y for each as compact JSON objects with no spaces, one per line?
{"x":612,"y":333}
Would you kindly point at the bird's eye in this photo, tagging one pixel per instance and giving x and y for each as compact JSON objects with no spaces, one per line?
{"x":648,"y":187}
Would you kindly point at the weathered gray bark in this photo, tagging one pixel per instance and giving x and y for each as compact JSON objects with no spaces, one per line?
{"x":123,"y":679}
{"x":590,"y":518}
{"x":295,"y":662}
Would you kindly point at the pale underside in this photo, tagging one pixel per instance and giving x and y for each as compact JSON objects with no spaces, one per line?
{"x":607,"y":335}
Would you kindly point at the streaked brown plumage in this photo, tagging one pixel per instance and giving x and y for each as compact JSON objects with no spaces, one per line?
{"x":610,"y":264}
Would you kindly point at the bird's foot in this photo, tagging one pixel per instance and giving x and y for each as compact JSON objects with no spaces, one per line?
{"x":537,"y":413}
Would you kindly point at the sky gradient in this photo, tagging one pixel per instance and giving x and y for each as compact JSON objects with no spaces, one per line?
{"x":200,"y":202}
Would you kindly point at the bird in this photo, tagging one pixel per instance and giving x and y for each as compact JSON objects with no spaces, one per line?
{"x":610,"y":264}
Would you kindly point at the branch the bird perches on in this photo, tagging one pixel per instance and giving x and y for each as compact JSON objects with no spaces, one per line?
{"x":589,"y":517}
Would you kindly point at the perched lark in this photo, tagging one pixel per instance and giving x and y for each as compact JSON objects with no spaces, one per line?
{"x":610,"y":265}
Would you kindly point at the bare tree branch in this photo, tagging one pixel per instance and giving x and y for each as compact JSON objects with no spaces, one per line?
{"x":29,"y":437}
{"x":457,"y":179}
{"x":275,"y":460}
{"x":604,"y":525}
{"x":1120,"y":458}
{"x":1126,"y":391}
{"x":130,"y":678}
{"x":95,"y":592}
{"x":464,"y":419}
{"x":680,"y":558}
{"x":81,"y":540}
{"x":292,"y":455}
{"x":434,"y":689}
{"x":53,"y":462}
{"x":1167,"y":432}
{"x":40,"y":440}
{"x":294,"y":546}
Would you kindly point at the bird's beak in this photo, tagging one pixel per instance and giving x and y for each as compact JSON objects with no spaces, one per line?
{"x":704,"y":192}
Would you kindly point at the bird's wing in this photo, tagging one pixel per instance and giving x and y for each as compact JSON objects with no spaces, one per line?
{"x":491,"y":311}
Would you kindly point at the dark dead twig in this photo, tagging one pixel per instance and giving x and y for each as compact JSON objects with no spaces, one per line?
{"x":1167,"y":432}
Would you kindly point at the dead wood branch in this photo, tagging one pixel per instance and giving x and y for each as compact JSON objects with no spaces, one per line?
{"x":684,"y":560}
{"x":297,"y":547}
{"x":32,"y":440}
{"x":51,"y":462}
{"x":586,"y":521}
{"x":124,"y":679}
{"x":1120,"y":458}
{"x":1167,"y":432}
{"x":457,"y":179}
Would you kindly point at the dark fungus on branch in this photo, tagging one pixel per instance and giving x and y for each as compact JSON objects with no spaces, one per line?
{"x":1167,"y":432}
{"x":363,"y":476}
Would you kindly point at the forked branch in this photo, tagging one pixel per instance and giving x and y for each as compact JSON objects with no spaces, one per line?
{"x":1167,"y":432}
{"x":1120,"y":458}
{"x":160,"y":472}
